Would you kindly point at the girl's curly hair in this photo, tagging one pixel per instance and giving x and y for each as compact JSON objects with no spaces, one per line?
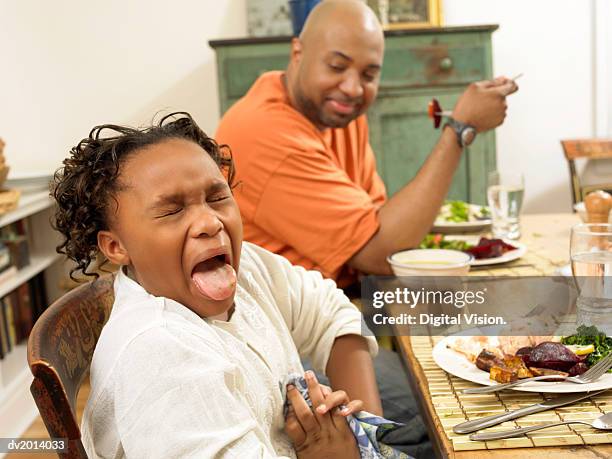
{"x":87,"y":183}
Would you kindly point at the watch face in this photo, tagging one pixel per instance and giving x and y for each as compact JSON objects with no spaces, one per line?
{"x":468,"y":135}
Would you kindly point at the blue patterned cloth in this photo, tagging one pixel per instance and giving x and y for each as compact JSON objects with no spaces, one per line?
{"x":366,"y":427}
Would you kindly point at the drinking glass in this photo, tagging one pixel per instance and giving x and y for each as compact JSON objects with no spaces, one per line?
{"x":505,"y":197}
{"x":591,"y":257}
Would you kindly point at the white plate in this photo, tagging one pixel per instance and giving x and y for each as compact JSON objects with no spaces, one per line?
{"x":456,"y":364}
{"x":442,"y":226}
{"x":515,"y":254}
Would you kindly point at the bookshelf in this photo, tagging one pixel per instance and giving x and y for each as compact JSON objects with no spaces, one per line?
{"x":17,"y":408}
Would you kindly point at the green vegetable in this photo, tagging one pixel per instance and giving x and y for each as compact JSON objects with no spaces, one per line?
{"x":591,"y":335}
{"x":459,"y":211}
{"x":437,"y":241}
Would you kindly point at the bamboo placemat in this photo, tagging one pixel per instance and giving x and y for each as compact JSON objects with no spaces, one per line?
{"x":452,"y":407}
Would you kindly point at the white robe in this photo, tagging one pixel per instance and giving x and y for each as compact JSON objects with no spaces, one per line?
{"x":167,"y":383}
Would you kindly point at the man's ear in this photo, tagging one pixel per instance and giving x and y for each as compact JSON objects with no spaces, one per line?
{"x":112,"y":248}
{"x":296,"y":50}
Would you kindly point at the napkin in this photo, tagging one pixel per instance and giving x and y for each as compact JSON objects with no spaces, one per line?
{"x":366,"y":427}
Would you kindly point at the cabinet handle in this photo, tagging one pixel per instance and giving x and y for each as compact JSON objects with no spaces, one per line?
{"x":446,"y":63}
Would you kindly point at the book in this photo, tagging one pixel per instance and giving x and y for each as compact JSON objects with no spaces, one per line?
{"x":24,"y":306}
{"x":7,"y":274}
{"x":15,"y":314}
{"x":4,"y":345}
{"x":18,"y":249}
{"x":38,"y":292}
{"x":7,"y":310}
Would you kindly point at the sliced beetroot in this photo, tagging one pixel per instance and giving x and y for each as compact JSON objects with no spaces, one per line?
{"x":554,"y":356}
{"x":489,"y":248}
{"x":578,"y":369}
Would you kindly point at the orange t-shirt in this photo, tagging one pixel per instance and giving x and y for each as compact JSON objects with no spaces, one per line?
{"x":309,"y":195}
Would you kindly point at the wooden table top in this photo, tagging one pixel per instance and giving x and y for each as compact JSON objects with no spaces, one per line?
{"x":547,"y":240}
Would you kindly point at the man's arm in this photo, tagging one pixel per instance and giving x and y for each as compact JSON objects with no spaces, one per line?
{"x":350,"y":369}
{"x":406,"y":217}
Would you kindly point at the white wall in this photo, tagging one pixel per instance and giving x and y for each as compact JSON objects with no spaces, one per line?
{"x":68,"y":65}
{"x":603,"y":68}
{"x":551,"y":42}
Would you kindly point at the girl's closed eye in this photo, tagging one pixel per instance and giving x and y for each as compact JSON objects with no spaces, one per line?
{"x":170,"y":212}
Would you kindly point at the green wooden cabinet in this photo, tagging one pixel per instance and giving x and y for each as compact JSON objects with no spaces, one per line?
{"x":418,"y":65}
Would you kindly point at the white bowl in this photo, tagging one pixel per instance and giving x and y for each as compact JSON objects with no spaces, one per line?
{"x":580,"y":208}
{"x":430,"y":262}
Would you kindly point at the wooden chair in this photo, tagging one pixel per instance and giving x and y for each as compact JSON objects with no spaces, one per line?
{"x":60,"y":349}
{"x":591,"y":149}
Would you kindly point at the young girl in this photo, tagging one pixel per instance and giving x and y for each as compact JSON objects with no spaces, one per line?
{"x":205,"y":328}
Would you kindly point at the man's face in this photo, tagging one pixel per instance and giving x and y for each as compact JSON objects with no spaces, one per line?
{"x":179,"y":226}
{"x":337,"y":76}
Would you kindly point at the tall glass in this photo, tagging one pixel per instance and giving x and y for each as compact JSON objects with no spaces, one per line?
{"x":591,"y":256}
{"x":505,"y":197}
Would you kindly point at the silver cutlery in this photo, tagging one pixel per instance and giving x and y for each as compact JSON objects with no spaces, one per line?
{"x":592,"y":374}
{"x":601,"y":423}
{"x":488,"y":421}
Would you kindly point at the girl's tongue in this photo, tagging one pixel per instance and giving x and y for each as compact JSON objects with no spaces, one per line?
{"x":215,"y":279}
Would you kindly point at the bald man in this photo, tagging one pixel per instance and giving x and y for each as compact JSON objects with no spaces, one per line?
{"x":309,"y":187}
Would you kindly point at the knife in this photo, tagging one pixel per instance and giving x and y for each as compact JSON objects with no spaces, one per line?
{"x":488,"y":421}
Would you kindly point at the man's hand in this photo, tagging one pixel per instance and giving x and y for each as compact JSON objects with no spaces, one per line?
{"x":324,"y":431}
{"x":483,"y":104}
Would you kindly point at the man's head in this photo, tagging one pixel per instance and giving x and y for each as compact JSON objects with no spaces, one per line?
{"x":156,"y":201}
{"x":335,"y":64}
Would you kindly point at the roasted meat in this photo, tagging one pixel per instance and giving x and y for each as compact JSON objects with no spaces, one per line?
{"x":517,"y":364}
{"x":487,"y":359}
{"x":503,"y":374}
{"x":509,"y":369}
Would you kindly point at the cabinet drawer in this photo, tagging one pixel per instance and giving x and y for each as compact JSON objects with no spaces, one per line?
{"x":434,"y":62}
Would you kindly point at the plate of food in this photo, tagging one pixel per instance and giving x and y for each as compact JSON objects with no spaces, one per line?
{"x":485,"y":251}
{"x":490,"y":360}
{"x":460,"y":216}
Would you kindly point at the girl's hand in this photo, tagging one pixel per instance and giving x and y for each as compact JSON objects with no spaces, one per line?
{"x":324,"y":431}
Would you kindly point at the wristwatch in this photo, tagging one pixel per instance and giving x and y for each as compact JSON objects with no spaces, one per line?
{"x":465,"y":132}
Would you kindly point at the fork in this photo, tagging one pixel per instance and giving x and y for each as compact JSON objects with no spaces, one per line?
{"x":592,"y":374}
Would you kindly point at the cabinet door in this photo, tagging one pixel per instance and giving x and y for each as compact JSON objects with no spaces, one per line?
{"x":402,"y":136}
{"x":239,"y":66}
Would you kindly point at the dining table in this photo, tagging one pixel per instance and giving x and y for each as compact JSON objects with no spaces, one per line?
{"x":444,"y":405}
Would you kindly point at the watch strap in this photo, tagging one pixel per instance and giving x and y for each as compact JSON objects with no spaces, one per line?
{"x":458,"y":127}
